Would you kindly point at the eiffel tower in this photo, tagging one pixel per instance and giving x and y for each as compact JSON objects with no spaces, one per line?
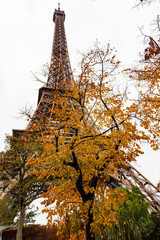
{"x":60,"y":72}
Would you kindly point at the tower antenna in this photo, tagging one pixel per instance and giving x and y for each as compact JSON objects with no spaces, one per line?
{"x":59,"y":6}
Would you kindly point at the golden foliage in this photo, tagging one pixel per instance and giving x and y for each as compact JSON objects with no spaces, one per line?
{"x":148,"y":103}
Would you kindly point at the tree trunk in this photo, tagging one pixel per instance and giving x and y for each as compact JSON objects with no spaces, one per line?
{"x":89,"y":235}
{"x":19,"y":235}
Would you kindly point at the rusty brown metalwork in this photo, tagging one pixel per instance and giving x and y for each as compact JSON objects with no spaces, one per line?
{"x":129,"y":176}
{"x":60,"y":73}
{"x":60,"y":67}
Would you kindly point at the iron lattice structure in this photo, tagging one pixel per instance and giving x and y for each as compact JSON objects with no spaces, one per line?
{"x":59,"y":74}
{"x":60,"y":67}
{"x":130,"y":176}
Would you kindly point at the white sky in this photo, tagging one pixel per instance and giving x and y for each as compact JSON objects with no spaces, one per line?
{"x":26,"y":34}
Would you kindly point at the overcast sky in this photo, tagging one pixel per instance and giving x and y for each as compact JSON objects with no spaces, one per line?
{"x":26,"y":35}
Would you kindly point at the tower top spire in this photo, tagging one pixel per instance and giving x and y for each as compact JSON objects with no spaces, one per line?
{"x":58,"y":6}
{"x":60,"y":69}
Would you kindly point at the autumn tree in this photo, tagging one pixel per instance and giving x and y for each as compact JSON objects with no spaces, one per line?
{"x":146,"y":79}
{"x":91,"y":134}
{"x":20,"y":188}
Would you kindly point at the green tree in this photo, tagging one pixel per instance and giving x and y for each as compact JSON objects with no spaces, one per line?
{"x":8,"y":211}
{"x":20,"y":188}
{"x":151,"y":230}
{"x":135,"y":221}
